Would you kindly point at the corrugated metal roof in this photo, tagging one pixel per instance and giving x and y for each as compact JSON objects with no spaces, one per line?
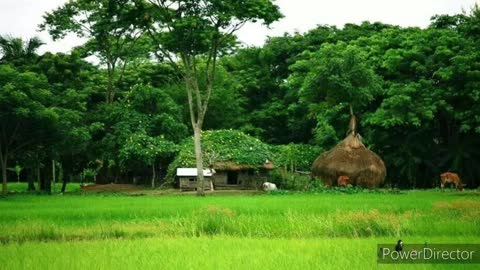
{"x":193,"y":172}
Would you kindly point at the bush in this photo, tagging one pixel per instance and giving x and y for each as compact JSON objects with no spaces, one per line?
{"x":290,"y":181}
{"x":295,"y":157}
{"x":304,"y":183}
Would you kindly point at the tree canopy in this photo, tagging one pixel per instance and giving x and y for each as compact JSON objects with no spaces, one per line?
{"x":165,"y":66}
{"x":225,"y":146}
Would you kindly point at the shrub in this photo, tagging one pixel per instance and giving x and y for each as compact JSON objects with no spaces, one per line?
{"x":290,"y":181}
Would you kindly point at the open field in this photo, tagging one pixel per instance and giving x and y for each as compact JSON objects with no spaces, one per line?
{"x":295,"y":231}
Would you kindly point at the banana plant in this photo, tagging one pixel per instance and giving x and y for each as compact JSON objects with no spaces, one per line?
{"x":17,"y":170}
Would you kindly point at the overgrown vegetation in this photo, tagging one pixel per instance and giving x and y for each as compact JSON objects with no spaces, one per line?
{"x":223,"y":146}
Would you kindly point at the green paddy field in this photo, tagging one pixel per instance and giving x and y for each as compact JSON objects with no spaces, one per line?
{"x":229,"y":231}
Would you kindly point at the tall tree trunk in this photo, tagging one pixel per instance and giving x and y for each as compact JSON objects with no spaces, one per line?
{"x":60,"y":172}
{"x":200,"y":106}
{"x":153,"y":175}
{"x":352,"y":127}
{"x":111,"y":66}
{"x":108,"y":96}
{"x":31,"y":184}
{"x":39,"y":179}
{"x":64,"y":185}
{"x":47,"y":181}
{"x":3,"y":161}
{"x":4,"y":176}
{"x":48,"y":185}
{"x":53,"y":174}
{"x":199,"y":160}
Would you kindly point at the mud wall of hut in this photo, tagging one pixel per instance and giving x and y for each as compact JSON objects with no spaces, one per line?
{"x":243,"y":179}
{"x":190,"y":183}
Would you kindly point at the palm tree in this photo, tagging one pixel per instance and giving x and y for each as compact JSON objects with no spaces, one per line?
{"x":18,"y":51}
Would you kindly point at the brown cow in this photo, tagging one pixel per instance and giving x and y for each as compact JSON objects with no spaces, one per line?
{"x":343,"y":181}
{"x":448,"y":177}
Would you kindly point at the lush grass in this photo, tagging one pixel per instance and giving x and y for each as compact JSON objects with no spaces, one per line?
{"x":23,"y":187}
{"x":208,"y":253}
{"x":299,"y":231}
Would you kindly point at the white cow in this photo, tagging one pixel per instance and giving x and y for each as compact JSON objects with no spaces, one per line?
{"x":267,"y":186}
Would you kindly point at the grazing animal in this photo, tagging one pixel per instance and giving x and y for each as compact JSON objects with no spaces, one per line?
{"x":267,"y":186}
{"x":448,"y":177}
{"x":343,"y":181}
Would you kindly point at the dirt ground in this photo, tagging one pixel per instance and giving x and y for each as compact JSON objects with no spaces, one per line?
{"x":111,"y":187}
{"x":141,"y":190}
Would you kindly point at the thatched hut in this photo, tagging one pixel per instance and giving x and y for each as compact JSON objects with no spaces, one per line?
{"x":239,"y":161}
{"x":231,"y":175}
{"x":350,"y":158}
{"x":227,"y":175}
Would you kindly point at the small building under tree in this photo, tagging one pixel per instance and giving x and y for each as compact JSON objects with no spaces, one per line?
{"x":230,"y":175}
{"x":187,"y":178}
{"x":226,"y":175}
{"x":238,"y":160}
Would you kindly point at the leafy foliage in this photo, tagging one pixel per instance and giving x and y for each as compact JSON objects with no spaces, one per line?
{"x":295,"y":157}
{"x":224,"y":146}
{"x":336,"y":74}
{"x":414,"y":91}
{"x":108,"y":27}
{"x":143,"y":149}
{"x":27,"y":119}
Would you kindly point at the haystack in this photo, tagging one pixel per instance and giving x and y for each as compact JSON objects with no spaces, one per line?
{"x":350,"y":158}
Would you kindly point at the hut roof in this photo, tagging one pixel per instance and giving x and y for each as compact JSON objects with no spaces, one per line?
{"x":350,"y":158}
{"x":233,"y":166}
{"x":225,"y":150}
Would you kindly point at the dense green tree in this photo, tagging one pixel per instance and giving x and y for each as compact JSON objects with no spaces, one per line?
{"x":145,"y":111}
{"x":107,"y":26}
{"x":70,"y":79}
{"x":26,"y":118}
{"x":141,"y":149}
{"x":270,"y":108}
{"x":335,"y":79}
{"x":196,"y":32}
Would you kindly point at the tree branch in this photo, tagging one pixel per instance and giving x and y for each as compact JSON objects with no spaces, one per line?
{"x":210,"y":78}
{"x":165,"y":53}
{"x":4,"y":136}
{"x":190,"y":101}
{"x":198,"y":94}
{"x":19,"y":147}
{"x":14,"y":134}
